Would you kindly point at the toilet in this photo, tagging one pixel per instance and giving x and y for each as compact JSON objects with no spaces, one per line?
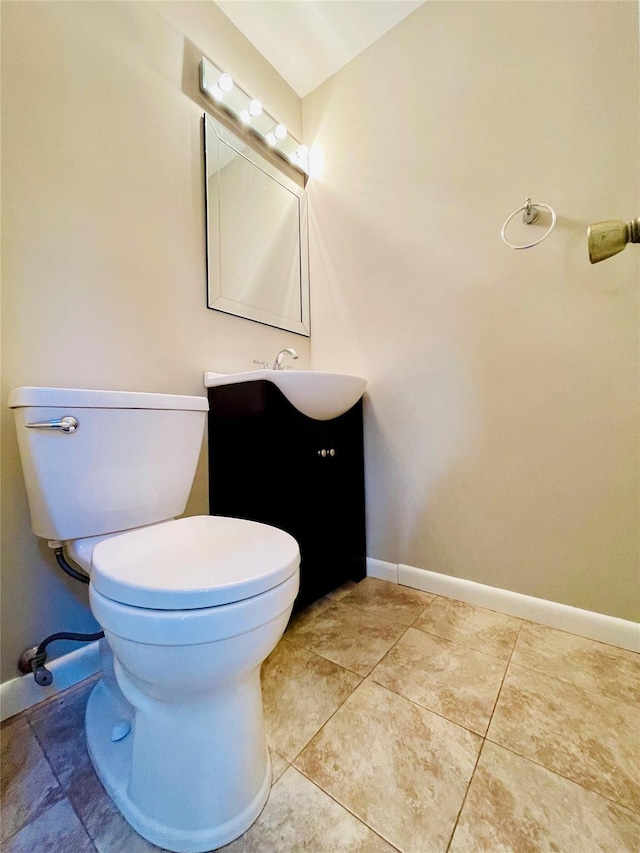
{"x":190,"y":607}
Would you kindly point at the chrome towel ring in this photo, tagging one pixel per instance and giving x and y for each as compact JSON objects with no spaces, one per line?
{"x":530,"y":214}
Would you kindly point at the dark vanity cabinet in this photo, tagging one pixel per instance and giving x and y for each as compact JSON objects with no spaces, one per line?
{"x":270,"y":463}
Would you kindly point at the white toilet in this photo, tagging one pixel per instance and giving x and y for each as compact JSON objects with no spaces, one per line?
{"x":190,"y":607}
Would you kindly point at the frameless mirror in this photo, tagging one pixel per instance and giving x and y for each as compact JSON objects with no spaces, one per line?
{"x":257,"y":235}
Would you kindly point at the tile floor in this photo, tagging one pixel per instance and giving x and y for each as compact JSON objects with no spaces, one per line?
{"x":397,"y":721}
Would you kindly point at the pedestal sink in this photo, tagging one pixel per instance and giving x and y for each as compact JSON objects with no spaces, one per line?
{"x":317,"y":394}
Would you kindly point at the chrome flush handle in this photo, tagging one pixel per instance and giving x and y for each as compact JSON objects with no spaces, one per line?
{"x":67,"y":424}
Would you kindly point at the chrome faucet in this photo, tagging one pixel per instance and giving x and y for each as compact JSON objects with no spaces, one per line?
{"x":277,"y":364}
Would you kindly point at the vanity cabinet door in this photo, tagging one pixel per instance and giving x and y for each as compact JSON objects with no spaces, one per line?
{"x":336,"y":542}
{"x":266,"y":463}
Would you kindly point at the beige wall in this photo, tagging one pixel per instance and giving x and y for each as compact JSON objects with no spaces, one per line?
{"x":502,"y":416}
{"x":103,"y":238}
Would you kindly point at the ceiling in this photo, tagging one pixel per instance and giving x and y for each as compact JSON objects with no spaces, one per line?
{"x":307,"y":41}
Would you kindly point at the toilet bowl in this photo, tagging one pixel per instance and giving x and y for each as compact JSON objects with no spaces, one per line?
{"x":190,"y":608}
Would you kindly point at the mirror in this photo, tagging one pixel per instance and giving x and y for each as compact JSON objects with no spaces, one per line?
{"x":257,"y":235}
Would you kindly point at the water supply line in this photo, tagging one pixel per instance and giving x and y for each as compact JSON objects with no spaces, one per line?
{"x":68,"y":568}
{"x":33,"y":660}
{"x":41,"y":674}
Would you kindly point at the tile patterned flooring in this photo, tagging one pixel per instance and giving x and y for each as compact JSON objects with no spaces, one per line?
{"x":396,"y":721}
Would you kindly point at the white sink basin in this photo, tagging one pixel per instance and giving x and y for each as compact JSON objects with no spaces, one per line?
{"x":316,"y":394}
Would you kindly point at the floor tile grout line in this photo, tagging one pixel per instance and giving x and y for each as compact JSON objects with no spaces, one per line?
{"x":550,"y":769}
{"x":528,"y":758}
{"x":526,"y":621}
{"x":319,"y":654}
{"x":48,"y":760}
{"x":533,"y":761}
{"x":369,"y":677}
{"x":63,"y":787}
{"x":302,"y":749}
{"x":466,"y":794}
{"x":458,"y":642}
{"x":362,"y":679}
{"x":413,"y":624}
{"x":469,"y":604}
{"x":504,"y":676}
{"x":503,"y":660}
{"x":63,"y":790}
{"x":600,"y":693}
{"x":319,"y":613}
{"x":323,"y":657}
{"x":31,"y":820}
{"x":388,"y":652}
{"x":465,"y":644}
{"x":421,"y":707}
{"x":484,"y":740}
{"x":434,"y":597}
{"x":581,"y":636}
{"x":44,"y":808}
{"x":360,"y":608}
{"x":43,"y":812}
{"x":346,"y":808}
{"x":366,"y":605}
{"x":346,"y":669}
{"x":424,"y":708}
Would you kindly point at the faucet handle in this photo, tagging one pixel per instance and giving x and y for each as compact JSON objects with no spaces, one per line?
{"x":265,"y":364}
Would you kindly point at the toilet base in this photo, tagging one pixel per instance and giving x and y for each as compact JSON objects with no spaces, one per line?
{"x":112,"y":763}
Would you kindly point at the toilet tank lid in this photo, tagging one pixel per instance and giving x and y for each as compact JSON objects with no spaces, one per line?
{"x":85,"y":398}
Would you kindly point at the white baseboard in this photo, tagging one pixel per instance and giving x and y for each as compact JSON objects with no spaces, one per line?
{"x":381,"y":570}
{"x":585,"y":623}
{"x":22,"y":692}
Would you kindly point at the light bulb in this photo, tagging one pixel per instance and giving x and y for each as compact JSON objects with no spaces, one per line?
{"x":245,"y":117}
{"x":225,"y":82}
{"x":280,"y":131}
{"x":271,"y":139}
{"x":255,"y":107}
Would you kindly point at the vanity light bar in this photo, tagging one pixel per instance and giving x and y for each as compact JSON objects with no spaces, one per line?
{"x":221,"y":88}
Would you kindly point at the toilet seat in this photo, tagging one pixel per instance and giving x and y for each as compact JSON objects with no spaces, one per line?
{"x":192,"y":627}
{"x":195,"y":562}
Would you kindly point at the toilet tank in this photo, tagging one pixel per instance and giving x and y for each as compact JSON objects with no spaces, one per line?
{"x":130,"y":462}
